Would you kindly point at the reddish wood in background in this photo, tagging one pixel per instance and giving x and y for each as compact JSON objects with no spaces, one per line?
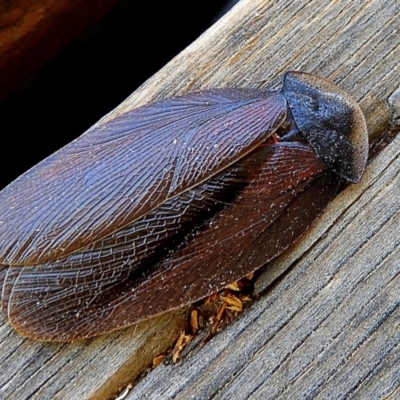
{"x":32,"y":31}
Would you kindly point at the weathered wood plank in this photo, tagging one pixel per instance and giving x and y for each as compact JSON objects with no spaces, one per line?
{"x":77,"y":370}
{"x":329,"y":326}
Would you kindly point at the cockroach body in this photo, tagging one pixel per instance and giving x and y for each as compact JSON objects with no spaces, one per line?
{"x":170,"y":202}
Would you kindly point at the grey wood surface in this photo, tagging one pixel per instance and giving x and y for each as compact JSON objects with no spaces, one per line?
{"x":329,"y":328}
{"x":326,"y":324}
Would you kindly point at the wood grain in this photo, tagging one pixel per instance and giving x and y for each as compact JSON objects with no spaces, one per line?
{"x":329,"y":328}
{"x":326,"y":324}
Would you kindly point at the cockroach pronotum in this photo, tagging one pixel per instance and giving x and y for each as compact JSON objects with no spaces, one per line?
{"x":170,"y":202}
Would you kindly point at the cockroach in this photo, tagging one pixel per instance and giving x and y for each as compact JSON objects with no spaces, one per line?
{"x":170,"y":202}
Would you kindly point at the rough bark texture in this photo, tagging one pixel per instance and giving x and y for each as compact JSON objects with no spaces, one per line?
{"x":329,"y":326}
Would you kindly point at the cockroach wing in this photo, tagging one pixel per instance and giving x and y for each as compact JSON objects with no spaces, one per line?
{"x":113,"y":283}
{"x":121,"y":170}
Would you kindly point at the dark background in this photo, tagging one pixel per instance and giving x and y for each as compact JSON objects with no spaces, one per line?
{"x":92,"y":75}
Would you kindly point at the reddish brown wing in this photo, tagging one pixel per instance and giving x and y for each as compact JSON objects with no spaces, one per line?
{"x":100,"y":290}
{"x":117,"y":172}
